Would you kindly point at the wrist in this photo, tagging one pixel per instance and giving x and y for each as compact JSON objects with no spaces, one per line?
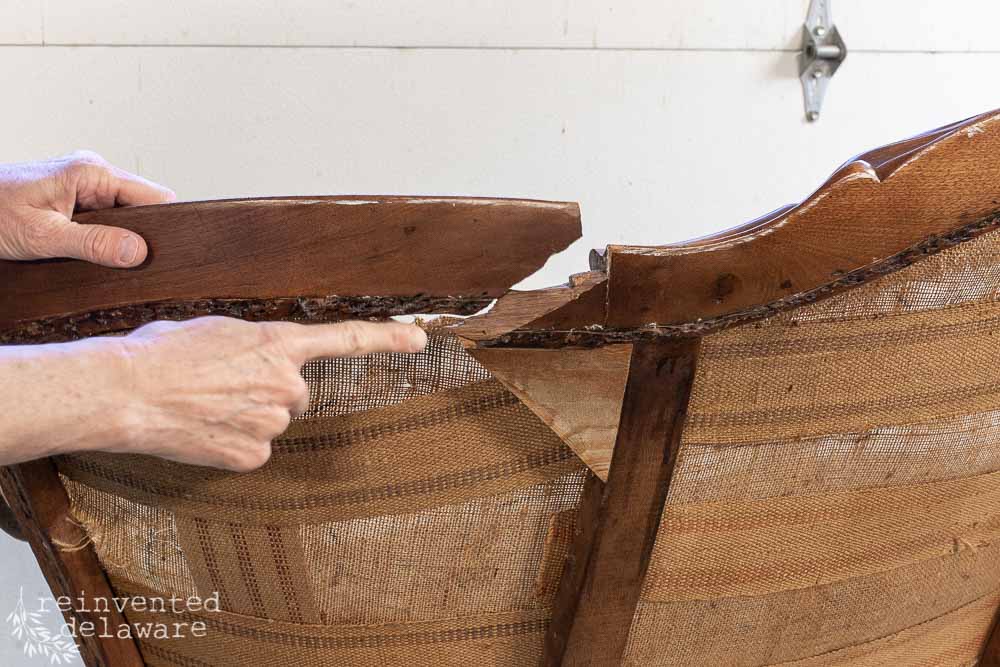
{"x":102,"y":395}
{"x":69,"y":397}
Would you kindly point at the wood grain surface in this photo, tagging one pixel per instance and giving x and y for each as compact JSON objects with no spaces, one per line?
{"x":616,"y":528}
{"x":63,"y":550}
{"x":294,"y":247}
{"x":576,"y":392}
{"x":873,"y":207}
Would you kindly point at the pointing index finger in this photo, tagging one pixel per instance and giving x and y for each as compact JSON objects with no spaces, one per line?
{"x":350,"y":339}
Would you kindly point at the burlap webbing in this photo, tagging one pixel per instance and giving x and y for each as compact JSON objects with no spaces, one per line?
{"x":343,"y":386}
{"x":491,"y":555}
{"x":831,"y":377}
{"x":787,"y":625}
{"x":417,"y":514}
{"x":800,"y":541}
{"x":443,"y":448}
{"x":896,"y":454}
{"x":835,"y":500}
{"x":953,"y":638}
{"x":966,"y":273}
{"x":257,"y":570}
{"x":486,"y":556}
{"x":132,"y":538}
{"x":234,"y":640}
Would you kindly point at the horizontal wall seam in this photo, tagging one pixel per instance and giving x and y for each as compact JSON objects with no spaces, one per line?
{"x":470,"y":47}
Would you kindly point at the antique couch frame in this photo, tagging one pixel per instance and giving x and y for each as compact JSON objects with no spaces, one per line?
{"x":331,"y":258}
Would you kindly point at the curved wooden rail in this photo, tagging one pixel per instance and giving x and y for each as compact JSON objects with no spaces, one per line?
{"x":333,"y":257}
{"x":865,"y":214}
{"x":877,"y":213}
{"x":264,"y":258}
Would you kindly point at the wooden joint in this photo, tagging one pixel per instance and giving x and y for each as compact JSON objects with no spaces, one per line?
{"x":617,"y":522}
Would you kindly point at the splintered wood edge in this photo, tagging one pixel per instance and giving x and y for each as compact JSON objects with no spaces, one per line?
{"x":311,"y":310}
{"x":576,"y":392}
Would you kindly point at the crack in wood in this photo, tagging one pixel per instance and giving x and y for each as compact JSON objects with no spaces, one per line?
{"x":596,"y":335}
{"x":300,"y":309}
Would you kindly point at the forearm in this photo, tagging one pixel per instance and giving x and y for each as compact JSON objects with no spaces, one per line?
{"x":60,"y":398}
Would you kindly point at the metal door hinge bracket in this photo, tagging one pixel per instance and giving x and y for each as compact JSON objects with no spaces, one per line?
{"x":823,"y":50}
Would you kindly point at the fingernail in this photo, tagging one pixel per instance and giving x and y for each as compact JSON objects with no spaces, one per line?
{"x":128,"y":248}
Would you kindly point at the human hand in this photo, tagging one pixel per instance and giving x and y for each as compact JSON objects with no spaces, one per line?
{"x":215,"y":391}
{"x":37,"y":200}
{"x":212,"y":391}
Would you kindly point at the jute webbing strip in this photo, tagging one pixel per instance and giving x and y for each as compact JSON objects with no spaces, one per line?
{"x":954,"y":639}
{"x":732,"y":548}
{"x":835,"y":497}
{"x":894,"y":455}
{"x":780,"y":382}
{"x":491,"y":555}
{"x":961,"y":321}
{"x":494,"y":554}
{"x":233,"y":640}
{"x":431,"y":451}
{"x":790,"y":625}
{"x":257,"y":570}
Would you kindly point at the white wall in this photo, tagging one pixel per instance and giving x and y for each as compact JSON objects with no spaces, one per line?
{"x":666,"y":119}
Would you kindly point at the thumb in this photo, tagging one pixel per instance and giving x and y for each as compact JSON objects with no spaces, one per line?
{"x":98,"y":244}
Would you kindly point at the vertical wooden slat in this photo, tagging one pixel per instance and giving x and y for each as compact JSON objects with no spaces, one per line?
{"x":617,"y":524}
{"x":39,"y":501}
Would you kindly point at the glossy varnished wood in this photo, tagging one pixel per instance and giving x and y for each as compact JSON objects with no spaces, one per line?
{"x":268,"y":248}
{"x":616,"y":527}
{"x":865,"y":213}
{"x":881,"y":211}
{"x":71,"y":568}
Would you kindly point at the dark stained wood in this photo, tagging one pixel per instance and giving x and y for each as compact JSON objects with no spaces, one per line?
{"x":39,"y":501}
{"x":922,"y":187}
{"x":616,"y":528}
{"x":574,"y":576}
{"x":990,"y":656}
{"x":8,"y":522}
{"x":322,"y":246}
{"x":880,"y":212}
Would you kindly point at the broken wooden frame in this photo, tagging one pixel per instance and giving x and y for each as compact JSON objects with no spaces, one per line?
{"x":606,"y":361}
